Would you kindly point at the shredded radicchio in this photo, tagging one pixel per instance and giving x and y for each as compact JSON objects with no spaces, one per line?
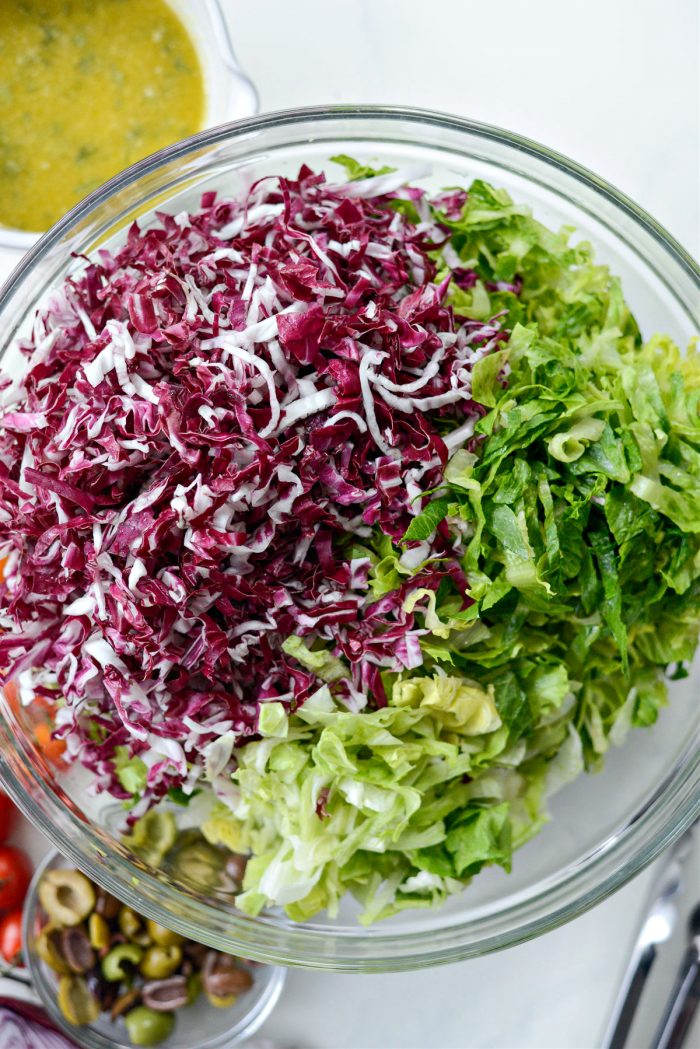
{"x":210,"y":418}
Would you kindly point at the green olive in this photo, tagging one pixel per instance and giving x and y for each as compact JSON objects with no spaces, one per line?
{"x":162,"y":936}
{"x":147,"y":1027}
{"x":159,"y":962}
{"x":124,"y":1002}
{"x":76,"y":1002}
{"x":131,"y":925}
{"x":67,"y":896}
{"x":153,"y":836}
{"x":116,"y":966}
{"x":98,"y":931}
{"x":221,"y":1001}
{"x":199,"y":864}
{"x":194,"y":987}
{"x":48,"y":947}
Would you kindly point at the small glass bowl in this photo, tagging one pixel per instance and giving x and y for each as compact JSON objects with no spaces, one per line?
{"x":229,"y":93}
{"x":199,"y":1025}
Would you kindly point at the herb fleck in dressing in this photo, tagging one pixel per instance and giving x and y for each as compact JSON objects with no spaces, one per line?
{"x":87,"y":87}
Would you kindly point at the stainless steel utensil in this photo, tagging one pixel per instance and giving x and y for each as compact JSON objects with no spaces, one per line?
{"x":685,"y":998}
{"x":659,"y":923}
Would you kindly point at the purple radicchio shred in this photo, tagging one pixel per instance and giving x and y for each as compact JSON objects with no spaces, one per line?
{"x":208,"y":419}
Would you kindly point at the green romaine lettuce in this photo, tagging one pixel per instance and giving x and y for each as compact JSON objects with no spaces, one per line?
{"x":578,"y":502}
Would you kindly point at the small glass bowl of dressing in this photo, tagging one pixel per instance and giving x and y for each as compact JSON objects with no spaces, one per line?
{"x":228,"y":94}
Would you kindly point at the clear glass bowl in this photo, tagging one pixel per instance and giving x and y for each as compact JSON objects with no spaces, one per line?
{"x":229,"y":93}
{"x":605,"y":827}
{"x":201,"y":1024}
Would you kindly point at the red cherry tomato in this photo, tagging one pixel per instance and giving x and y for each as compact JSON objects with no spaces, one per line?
{"x":38,"y":719}
{"x":8,"y":817}
{"x":11,"y":937}
{"x":15,"y":875}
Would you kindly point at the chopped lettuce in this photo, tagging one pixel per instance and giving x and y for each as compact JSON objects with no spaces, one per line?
{"x":132,"y":772}
{"x":577,"y":506}
{"x":345,"y":801}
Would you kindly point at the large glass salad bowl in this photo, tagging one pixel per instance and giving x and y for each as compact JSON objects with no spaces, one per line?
{"x":604,"y":828}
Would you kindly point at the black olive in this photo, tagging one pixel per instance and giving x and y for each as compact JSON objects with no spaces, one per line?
{"x":125,"y":1002}
{"x":222,"y":976}
{"x":76,"y":949}
{"x":165,"y":996}
{"x":105,"y":992}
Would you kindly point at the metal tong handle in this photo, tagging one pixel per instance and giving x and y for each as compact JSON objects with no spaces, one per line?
{"x":683,"y":1003}
{"x":660,"y":918}
{"x":628,"y":1000}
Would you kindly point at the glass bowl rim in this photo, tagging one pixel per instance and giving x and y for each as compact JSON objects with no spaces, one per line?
{"x":248,"y":1023}
{"x":290,"y":117}
{"x":666,"y":815}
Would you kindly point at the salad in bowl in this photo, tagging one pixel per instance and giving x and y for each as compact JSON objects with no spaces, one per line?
{"x":350,"y":517}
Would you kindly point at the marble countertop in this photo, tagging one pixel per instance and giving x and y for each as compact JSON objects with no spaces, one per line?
{"x":614,"y":85}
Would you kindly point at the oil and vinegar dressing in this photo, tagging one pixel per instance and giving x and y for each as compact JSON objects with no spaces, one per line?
{"x":87,"y":87}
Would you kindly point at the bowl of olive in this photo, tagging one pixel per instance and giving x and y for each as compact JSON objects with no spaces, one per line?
{"x":112,"y":979}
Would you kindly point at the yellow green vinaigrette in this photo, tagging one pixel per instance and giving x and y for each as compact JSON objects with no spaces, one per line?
{"x":87,"y":87}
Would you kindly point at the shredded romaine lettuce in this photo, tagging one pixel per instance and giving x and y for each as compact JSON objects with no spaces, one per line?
{"x":577,"y":512}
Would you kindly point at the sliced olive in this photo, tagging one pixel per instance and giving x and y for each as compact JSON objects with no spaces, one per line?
{"x":153,"y":836}
{"x":125,"y":1002}
{"x":221,"y":1001}
{"x":199,"y":865}
{"x":162,"y":936}
{"x":194,"y":987}
{"x":67,"y":896}
{"x":107,"y":906}
{"x":119,"y":964}
{"x":197,"y":952}
{"x":159,"y":962}
{"x":235,"y":868}
{"x":132,"y":926}
{"x":76,"y":1002}
{"x":105,"y":992}
{"x":166,"y":995}
{"x":48,"y":947}
{"x":222,"y":976}
{"x":98,"y":931}
{"x":147,"y":1027}
{"x":76,"y":949}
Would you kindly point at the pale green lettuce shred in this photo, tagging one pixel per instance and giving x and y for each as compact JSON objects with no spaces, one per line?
{"x":578,"y":504}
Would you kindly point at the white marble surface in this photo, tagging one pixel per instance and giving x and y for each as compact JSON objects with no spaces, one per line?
{"x":612,"y":83}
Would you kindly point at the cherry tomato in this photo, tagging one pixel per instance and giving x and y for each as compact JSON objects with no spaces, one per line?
{"x":51,"y":748}
{"x":15,"y":875}
{"x":37,"y":719}
{"x":8,"y":817}
{"x":11,"y":937}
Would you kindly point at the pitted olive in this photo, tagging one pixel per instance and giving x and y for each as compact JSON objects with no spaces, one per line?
{"x":147,"y":1027}
{"x":133,"y":927}
{"x":67,"y":896}
{"x":76,"y":949}
{"x":166,"y":995}
{"x":162,"y":936}
{"x":48,"y":947}
{"x":223,"y":978}
{"x":160,"y":962}
{"x":121,"y":961}
{"x":76,"y":1002}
